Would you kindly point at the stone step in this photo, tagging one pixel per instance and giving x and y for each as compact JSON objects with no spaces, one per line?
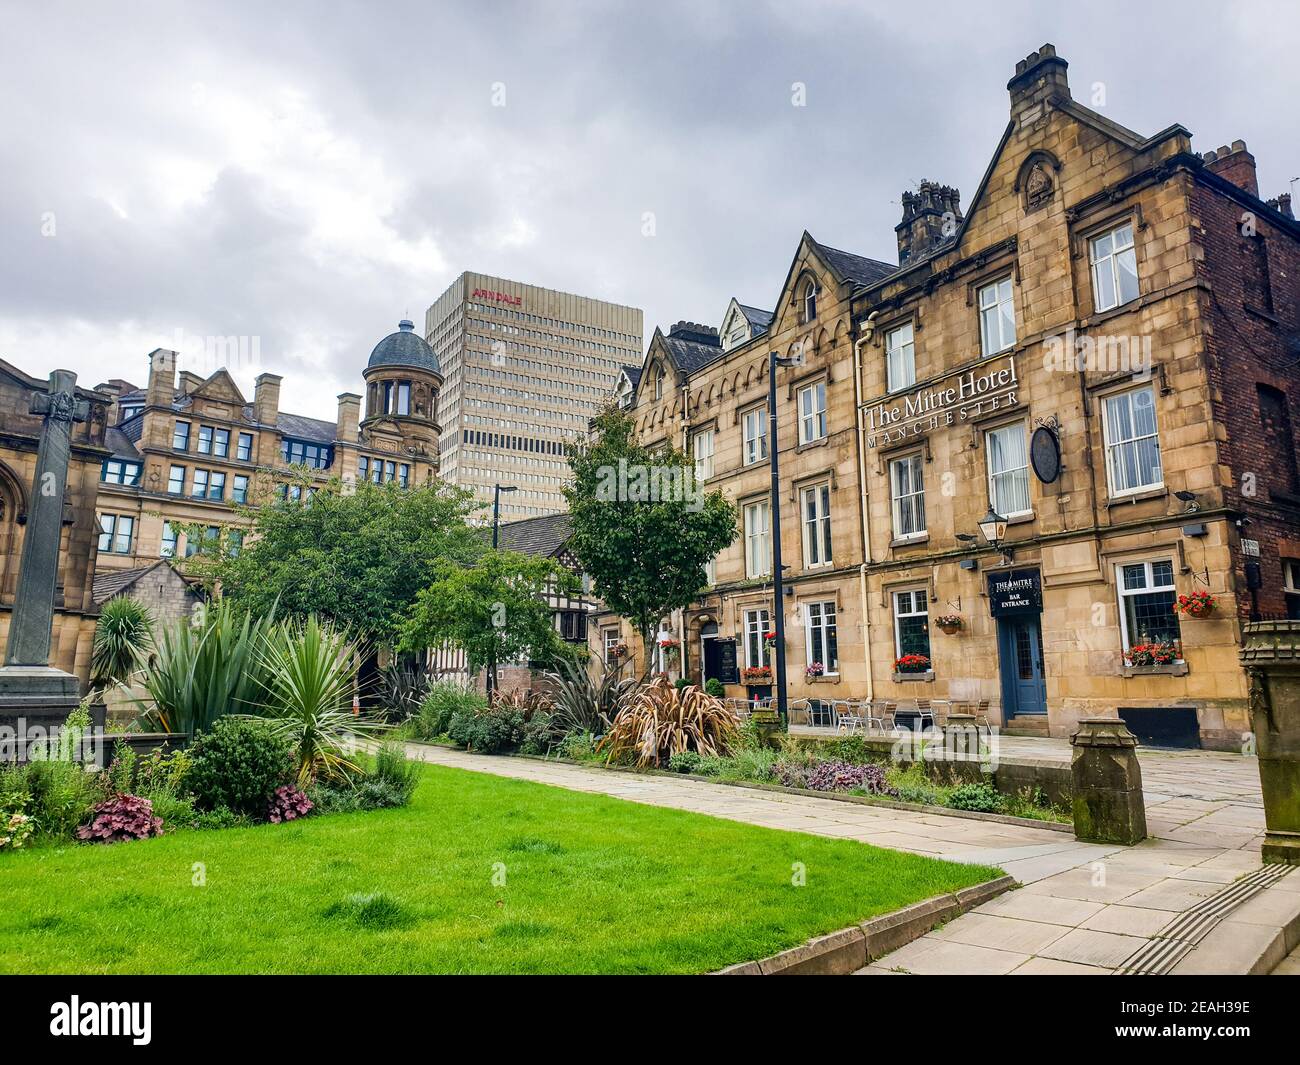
{"x":1026,"y":725}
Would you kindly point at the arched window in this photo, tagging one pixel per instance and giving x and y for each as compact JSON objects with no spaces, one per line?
{"x":809,"y":300}
{"x":659,"y":385}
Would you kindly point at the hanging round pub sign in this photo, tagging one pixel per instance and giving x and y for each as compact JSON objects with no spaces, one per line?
{"x":1045,"y":454}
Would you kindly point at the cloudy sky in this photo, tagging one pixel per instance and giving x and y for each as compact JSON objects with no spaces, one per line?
{"x":307,"y":174}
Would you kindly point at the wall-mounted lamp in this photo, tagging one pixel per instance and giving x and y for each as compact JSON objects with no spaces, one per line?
{"x":993,"y":527}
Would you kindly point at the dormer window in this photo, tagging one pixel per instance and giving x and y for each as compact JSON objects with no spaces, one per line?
{"x":809,"y":300}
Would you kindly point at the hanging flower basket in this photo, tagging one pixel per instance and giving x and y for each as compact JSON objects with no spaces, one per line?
{"x":912,"y":664}
{"x":756,"y":675}
{"x":949,"y":623}
{"x":619,"y":650}
{"x":1197,"y":605}
{"x":1158,"y":653}
{"x":769,"y":639}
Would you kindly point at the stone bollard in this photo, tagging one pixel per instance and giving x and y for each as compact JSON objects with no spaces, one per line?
{"x":1108,"y":805}
{"x":1271,"y":657}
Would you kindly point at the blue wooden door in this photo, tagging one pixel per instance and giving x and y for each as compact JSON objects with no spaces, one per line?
{"x":1021,"y":652}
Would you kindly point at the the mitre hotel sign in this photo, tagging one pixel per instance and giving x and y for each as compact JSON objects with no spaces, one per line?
{"x":954,"y":397}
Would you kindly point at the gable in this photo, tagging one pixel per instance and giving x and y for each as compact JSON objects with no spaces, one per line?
{"x":219,"y":388}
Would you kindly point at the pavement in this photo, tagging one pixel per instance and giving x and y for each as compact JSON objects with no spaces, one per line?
{"x":1184,"y":900}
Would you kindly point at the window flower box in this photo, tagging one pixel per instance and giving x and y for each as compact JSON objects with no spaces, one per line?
{"x":912,"y":664}
{"x":1197,"y":605}
{"x":814,"y":669}
{"x":756,"y":675}
{"x":1155,"y":653}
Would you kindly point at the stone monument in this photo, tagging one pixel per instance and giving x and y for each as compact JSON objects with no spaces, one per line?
{"x":32,"y":693}
{"x":1271,"y":657}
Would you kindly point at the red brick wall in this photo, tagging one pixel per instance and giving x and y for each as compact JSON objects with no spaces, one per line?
{"x":1252,"y":339}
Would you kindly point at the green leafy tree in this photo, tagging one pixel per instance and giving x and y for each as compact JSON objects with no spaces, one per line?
{"x":642,"y":528}
{"x":494,"y":611}
{"x":123,"y":641}
{"x":356,"y":560}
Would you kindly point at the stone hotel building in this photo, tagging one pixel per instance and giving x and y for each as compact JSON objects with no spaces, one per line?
{"x":1063,"y":408}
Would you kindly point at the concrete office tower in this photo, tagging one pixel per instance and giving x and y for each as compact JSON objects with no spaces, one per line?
{"x":524,"y":368}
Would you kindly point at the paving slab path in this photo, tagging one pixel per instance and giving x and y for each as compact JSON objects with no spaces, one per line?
{"x":1083,"y":908}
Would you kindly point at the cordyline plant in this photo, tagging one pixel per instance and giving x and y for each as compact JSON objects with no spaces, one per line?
{"x":644,"y":547}
{"x":123,"y":640}
{"x":661,"y":721}
{"x":307,"y":681}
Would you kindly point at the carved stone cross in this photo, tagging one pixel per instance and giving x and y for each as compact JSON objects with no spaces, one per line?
{"x":33,"y":613}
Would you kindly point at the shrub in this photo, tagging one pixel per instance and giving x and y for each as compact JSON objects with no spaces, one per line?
{"x":790,"y":774}
{"x":847,"y":776}
{"x":402,"y":690}
{"x":221,"y":817}
{"x":376,"y":793}
{"x":487,"y":731}
{"x":714,"y":687}
{"x":121,"y":818}
{"x":59,"y":796}
{"x":579,"y":746}
{"x":395,"y":770}
{"x":202,"y":671}
{"x":853,"y":749}
{"x":161,"y":772}
{"x":751,"y":763}
{"x":581,"y":702}
{"x":684,"y":762}
{"x":712,"y":766}
{"x":982,"y":797}
{"x":175,"y":811}
{"x":15,"y":830}
{"x":121,"y":770}
{"x":123,"y":640}
{"x":541,"y":732}
{"x":913,"y":785}
{"x":442,"y":702}
{"x":288,"y":804}
{"x":660,"y":721}
{"x":307,"y":697}
{"x":238,"y":765}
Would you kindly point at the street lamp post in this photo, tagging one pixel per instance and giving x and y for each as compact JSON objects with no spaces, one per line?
{"x":497,"y":489}
{"x":778,"y":583}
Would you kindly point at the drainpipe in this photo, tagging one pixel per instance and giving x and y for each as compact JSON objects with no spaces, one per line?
{"x":683,"y":663}
{"x":867,"y":329}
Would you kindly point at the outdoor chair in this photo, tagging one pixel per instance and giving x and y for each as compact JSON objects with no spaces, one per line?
{"x":800,"y":711}
{"x":848,"y":716}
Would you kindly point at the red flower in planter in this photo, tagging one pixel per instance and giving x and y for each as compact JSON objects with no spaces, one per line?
{"x":911,"y":664}
{"x":1197,"y":605}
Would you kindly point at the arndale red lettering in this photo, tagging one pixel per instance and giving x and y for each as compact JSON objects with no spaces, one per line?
{"x":498,"y":297}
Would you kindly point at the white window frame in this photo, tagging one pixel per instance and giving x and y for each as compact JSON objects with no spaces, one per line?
{"x":905,"y":377}
{"x":170,"y":542}
{"x":115,"y":527}
{"x":916,"y":461}
{"x":609,"y":640}
{"x":1023,"y":471}
{"x":758,"y":622}
{"x":1111,"y":445}
{"x":920,"y":594}
{"x":711,"y":571}
{"x":754,"y":429}
{"x":825,"y":621}
{"x":817,"y":541}
{"x":1123,"y":593}
{"x":812,"y":412}
{"x":1106,"y":297}
{"x":758,"y":537}
{"x":991,"y":300}
{"x":703,"y":446}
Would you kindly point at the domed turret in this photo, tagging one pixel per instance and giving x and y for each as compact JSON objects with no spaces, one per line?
{"x":403,"y":379}
{"x":404,"y":348}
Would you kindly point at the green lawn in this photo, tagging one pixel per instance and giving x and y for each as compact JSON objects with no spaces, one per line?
{"x":592,"y":884}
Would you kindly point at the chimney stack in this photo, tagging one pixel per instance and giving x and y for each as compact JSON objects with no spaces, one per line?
{"x":931,"y":216}
{"x":1234,"y":164}
{"x":1039,"y":82}
{"x":162,"y":378}
{"x":266,"y":398}
{"x":349,"y":417}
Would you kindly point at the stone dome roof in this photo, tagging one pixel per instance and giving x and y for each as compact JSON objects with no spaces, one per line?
{"x":404,"y":348}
